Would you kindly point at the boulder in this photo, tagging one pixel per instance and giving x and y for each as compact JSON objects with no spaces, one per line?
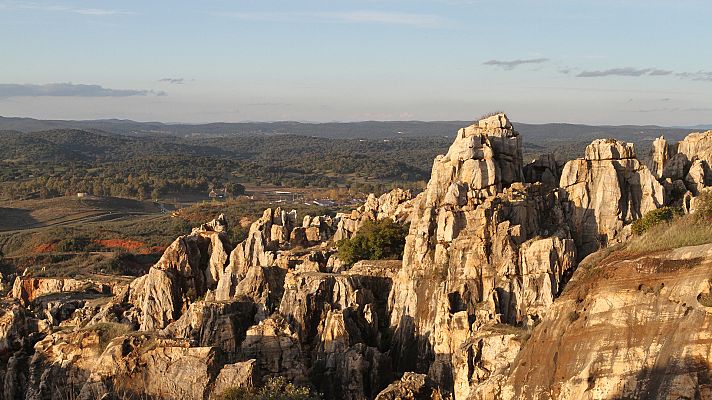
{"x":411,"y":386}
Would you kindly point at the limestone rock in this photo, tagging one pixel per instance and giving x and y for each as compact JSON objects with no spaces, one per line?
{"x":351,"y":368}
{"x":190,"y":267}
{"x":609,"y":149}
{"x":411,"y":386}
{"x":544,"y":169}
{"x":676,"y":167}
{"x":485,"y":359}
{"x":699,"y":176}
{"x":143,"y":365}
{"x":27,"y":288}
{"x":483,"y":248}
{"x":697,"y":145}
{"x":396,"y":205}
{"x":258,"y":250}
{"x":238,"y":375}
{"x":62,"y":363}
{"x":631,"y":328}
{"x":659,"y":155}
{"x":217,"y":324}
{"x":277,"y":350}
{"x":18,"y":334}
{"x":603,"y":194}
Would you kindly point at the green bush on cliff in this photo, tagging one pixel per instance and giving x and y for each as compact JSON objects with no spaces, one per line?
{"x":654,"y":218}
{"x":375,"y":240}
{"x":703,"y":206}
{"x":274,"y":389}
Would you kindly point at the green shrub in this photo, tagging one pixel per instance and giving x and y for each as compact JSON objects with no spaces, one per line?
{"x":375,"y":240}
{"x":76,"y":244}
{"x":684,"y":231}
{"x":703,"y":206}
{"x":654,"y":218}
{"x":274,"y":389}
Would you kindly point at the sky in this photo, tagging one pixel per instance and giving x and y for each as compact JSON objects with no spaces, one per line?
{"x":595,"y":62}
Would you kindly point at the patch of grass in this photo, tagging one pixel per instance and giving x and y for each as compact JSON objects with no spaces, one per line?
{"x":274,"y":389}
{"x":108,"y":331}
{"x":683,"y":231}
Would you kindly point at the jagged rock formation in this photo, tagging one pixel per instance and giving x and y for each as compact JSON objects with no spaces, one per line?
{"x":396,"y":205}
{"x":27,"y":289}
{"x":482,"y":249}
{"x":659,"y":155}
{"x":545,"y":169}
{"x":606,"y":190}
{"x":411,"y":386}
{"x":482,"y":306}
{"x":165,"y":368}
{"x":687,"y":166}
{"x":188,"y":269}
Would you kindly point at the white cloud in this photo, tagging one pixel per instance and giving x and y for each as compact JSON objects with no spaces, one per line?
{"x":23,"y":5}
{"x":8,"y":90}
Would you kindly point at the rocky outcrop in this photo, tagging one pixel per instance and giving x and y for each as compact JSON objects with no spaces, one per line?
{"x":482,"y":249}
{"x":687,"y":166}
{"x":697,"y":145}
{"x":659,"y":155}
{"x":482,"y":306}
{"x":27,"y":288}
{"x":61,"y":363}
{"x":18,"y":334}
{"x":188,"y":269}
{"x":396,"y":205}
{"x":624,"y":328}
{"x":606,"y":190}
{"x":277,"y":349}
{"x":147,"y":366}
{"x":219,"y":324}
{"x":411,"y":386}
{"x":698,"y":177}
{"x":545,"y":169}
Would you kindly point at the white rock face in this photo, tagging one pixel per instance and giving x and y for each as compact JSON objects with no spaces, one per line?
{"x":604,"y":194}
{"x":609,"y":149}
{"x":396,"y":205}
{"x":482,"y":249}
{"x":697,"y":145}
{"x":659,"y":155}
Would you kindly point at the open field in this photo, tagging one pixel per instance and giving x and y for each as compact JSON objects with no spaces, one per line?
{"x":80,"y":236}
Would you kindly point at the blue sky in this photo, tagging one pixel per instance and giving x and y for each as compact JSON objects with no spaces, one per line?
{"x":598,"y":62}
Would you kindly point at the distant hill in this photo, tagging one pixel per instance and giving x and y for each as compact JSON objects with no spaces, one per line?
{"x":533,"y":133}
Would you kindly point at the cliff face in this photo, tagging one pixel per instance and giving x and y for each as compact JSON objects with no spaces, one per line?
{"x":628,"y":327}
{"x":605,"y":191}
{"x":483,"y":249}
{"x":489,"y":301}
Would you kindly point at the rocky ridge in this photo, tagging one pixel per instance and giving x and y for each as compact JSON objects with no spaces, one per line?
{"x":476,"y":309}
